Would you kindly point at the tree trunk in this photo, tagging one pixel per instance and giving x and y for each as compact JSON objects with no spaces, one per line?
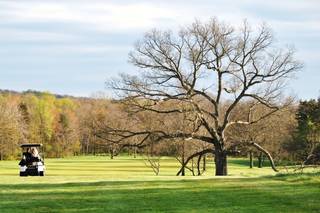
{"x":182,"y":160}
{"x":87,"y":149}
{"x":204,"y":163}
{"x":183,"y":171}
{"x":198,"y":165}
{"x":251,"y":159}
{"x":260,"y":160}
{"x":111,"y":153}
{"x":192,"y":167}
{"x":221,"y":163}
{"x":134,"y":152}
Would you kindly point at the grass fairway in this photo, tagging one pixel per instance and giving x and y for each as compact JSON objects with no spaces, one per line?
{"x":98,"y":184}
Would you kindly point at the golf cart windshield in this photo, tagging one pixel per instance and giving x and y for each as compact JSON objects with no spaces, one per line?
{"x":26,"y":148}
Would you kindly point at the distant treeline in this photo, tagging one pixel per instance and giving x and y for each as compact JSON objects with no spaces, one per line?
{"x":72,"y":126}
{"x":36,"y":93}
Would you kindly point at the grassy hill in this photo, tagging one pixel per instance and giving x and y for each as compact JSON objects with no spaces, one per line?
{"x":124,"y":184}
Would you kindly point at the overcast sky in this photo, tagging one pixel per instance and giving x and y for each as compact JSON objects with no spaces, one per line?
{"x":73,"y":46}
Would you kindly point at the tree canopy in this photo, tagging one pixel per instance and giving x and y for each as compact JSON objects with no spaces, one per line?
{"x":207,"y":70}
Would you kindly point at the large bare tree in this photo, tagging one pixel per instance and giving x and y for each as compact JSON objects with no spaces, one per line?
{"x":205,"y":70}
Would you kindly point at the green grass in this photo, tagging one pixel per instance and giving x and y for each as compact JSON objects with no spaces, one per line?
{"x":124,"y":184}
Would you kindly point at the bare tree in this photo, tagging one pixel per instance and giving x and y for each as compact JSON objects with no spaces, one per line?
{"x":153,"y":163}
{"x":207,"y":70}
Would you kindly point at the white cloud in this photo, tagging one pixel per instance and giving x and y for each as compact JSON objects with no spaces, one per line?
{"x":64,"y":50}
{"x":289,"y":5}
{"x":112,"y":16}
{"x":102,"y":16}
{"x":34,"y":35}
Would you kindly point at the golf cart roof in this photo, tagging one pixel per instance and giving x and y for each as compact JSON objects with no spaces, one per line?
{"x":31,"y":145}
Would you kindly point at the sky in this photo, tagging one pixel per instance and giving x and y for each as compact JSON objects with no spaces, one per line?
{"x":74,"y":46}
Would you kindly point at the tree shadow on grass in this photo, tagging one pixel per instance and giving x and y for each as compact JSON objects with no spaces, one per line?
{"x":222,"y":195}
{"x":246,"y":162}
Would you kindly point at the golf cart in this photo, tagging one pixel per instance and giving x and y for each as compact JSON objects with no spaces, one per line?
{"x":32,"y":163}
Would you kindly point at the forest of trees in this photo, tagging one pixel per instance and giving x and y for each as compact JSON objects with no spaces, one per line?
{"x":77,"y":126}
{"x":38,"y":118}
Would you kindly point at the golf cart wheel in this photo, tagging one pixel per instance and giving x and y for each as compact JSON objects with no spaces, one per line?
{"x":23,"y":174}
{"x":41,"y":173}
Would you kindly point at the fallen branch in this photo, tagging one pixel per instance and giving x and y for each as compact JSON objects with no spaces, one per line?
{"x":260,"y":148}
